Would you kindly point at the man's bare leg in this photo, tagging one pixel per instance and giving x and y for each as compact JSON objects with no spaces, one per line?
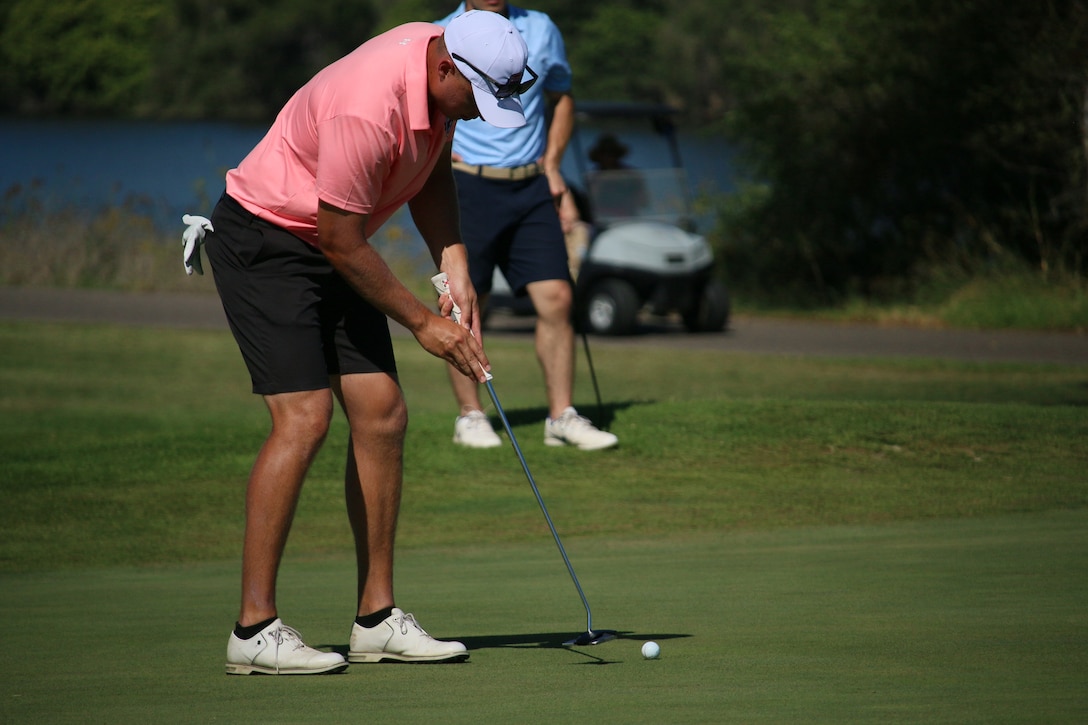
{"x":300,"y":422}
{"x":465,"y":390}
{"x":555,"y":341}
{"x":378,"y":418}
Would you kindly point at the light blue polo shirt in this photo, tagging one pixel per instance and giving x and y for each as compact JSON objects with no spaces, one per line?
{"x":477,"y":141}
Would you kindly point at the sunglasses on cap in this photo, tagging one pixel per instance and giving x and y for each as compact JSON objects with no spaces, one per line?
{"x":513,"y":85}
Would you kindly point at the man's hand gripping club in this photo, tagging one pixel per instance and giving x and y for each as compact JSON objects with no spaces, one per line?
{"x":442,"y":286}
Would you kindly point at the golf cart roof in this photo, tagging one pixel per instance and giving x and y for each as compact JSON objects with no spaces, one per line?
{"x":622,"y":110}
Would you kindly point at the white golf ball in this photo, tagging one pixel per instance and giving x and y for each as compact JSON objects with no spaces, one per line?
{"x":650,"y":650}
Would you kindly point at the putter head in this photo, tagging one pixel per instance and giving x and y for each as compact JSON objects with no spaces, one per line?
{"x":593,"y":636}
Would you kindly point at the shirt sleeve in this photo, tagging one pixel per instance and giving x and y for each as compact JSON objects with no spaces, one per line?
{"x":558,"y":75}
{"x":353,"y":163}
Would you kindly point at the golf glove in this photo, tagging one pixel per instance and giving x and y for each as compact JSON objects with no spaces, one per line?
{"x":193,"y":236}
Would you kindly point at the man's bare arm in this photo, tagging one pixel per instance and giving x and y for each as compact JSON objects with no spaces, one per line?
{"x":437,"y":217}
{"x":559,"y":133}
{"x":344,"y":244}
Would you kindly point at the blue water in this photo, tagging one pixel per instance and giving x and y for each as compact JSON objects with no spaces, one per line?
{"x":161,"y":168}
{"x":167,"y":169}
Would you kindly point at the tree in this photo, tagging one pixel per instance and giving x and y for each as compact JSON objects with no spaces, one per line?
{"x":889,"y":136}
{"x":612,"y":55}
{"x":242,"y":59}
{"x":407,"y":11}
{"x":76,"y":56}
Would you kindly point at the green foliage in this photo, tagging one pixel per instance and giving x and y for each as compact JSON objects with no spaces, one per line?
{"x":79,"y":56}
{"x":242,"y":59}
{"x":696,"y":51}
{"x":879,"y":140}
{"x":898,"y":134}
{"x":606,"y":46}
{"x":1007,"y":299}
{"x":407,"y":11}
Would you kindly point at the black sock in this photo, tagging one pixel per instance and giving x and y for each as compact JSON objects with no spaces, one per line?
{"x":252,"y":631}
{"x":373,"y":620}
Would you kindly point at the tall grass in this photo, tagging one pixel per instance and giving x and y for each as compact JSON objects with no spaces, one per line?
{"x":1007,"y":296}
{"x":127,"y":248}
{"x":1019,"y":299}
{"x":112,"y":249}
{"x":124,"y":248}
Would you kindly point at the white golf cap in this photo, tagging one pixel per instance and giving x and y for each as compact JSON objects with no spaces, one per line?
{"x":491,"y":53}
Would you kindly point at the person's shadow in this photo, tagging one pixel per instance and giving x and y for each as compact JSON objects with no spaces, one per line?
{"x":602,"y":416}
{"x":594,"y":654}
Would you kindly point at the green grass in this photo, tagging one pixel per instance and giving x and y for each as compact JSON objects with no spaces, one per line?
{"x":1021,"y":300}
{"x":132,"y":446}
{"x":809,"y":540}
{"x":1013,"y":296}
{"x":950,"y":621}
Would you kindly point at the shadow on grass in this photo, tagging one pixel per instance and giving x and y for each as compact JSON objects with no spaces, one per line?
{"x":552,"y":640}
{"x":543,"y":640}
{"x":528,"y":416}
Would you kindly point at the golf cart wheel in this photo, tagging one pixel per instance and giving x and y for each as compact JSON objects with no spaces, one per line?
{"x":711,"y":312}
{"x":611,"y":308}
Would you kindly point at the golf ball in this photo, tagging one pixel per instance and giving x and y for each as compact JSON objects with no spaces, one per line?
{"x":650,"y":650}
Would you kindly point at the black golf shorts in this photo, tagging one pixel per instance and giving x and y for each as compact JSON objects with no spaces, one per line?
{"x":296,"y":321}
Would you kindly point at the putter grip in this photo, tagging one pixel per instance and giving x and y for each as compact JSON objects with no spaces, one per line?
{"x":442,"y":286}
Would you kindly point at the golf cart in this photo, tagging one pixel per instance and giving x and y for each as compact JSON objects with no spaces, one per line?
{"x":643,"y":253}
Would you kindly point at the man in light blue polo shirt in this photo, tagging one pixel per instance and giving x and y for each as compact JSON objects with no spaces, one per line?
{"x":511,"y":194}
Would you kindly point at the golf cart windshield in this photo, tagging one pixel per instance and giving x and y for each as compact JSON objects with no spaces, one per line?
{"x":626,"y":195}
{"x":646,"y":185}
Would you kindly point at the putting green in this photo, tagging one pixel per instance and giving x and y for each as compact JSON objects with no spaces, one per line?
{"x":942,"y":621}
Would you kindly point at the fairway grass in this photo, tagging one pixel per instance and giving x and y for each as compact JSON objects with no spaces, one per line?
{"x":964,"y":621}
{"x":132,"y":446}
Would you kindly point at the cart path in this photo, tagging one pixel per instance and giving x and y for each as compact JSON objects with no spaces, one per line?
{"x":746,"y":334}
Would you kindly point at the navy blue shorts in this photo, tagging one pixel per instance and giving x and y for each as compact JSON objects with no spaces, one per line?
{"x":295,"y":319}
{"x":512,"y":225}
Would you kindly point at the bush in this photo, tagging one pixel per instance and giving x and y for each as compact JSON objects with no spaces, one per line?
{"x":907,"y":134}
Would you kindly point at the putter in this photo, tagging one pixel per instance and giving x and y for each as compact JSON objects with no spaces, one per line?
{"x":590,"y":636}
{"x":593,"y":376}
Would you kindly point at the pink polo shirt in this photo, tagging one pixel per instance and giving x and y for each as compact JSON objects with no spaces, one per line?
{"x":359,"y":135}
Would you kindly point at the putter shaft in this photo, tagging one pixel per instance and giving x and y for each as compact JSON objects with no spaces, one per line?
{"x":441,"y":285}
{"x":540,"y":500}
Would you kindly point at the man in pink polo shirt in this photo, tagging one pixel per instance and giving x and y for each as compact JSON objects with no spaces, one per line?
{"x":308,"y":298}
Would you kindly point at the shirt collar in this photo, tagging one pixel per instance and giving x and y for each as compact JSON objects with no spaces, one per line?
{"x":419,"y":109}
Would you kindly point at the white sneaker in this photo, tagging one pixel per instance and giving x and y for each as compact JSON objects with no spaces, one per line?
{"x":572,"y":429}
{"x":474,"y":431}
{"x":279,"y":650}
{"x":400,"y":638}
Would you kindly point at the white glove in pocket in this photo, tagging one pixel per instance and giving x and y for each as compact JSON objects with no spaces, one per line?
{"x":193,"y":236}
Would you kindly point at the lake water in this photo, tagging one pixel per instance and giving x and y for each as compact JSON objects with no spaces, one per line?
{"x":167,"y":169}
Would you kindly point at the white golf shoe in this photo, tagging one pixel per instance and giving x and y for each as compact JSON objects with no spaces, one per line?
{"x":279,"y":650}
{"x":574,"y":430}
{"x":400,"y":638}
{"x":474,"y":431}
